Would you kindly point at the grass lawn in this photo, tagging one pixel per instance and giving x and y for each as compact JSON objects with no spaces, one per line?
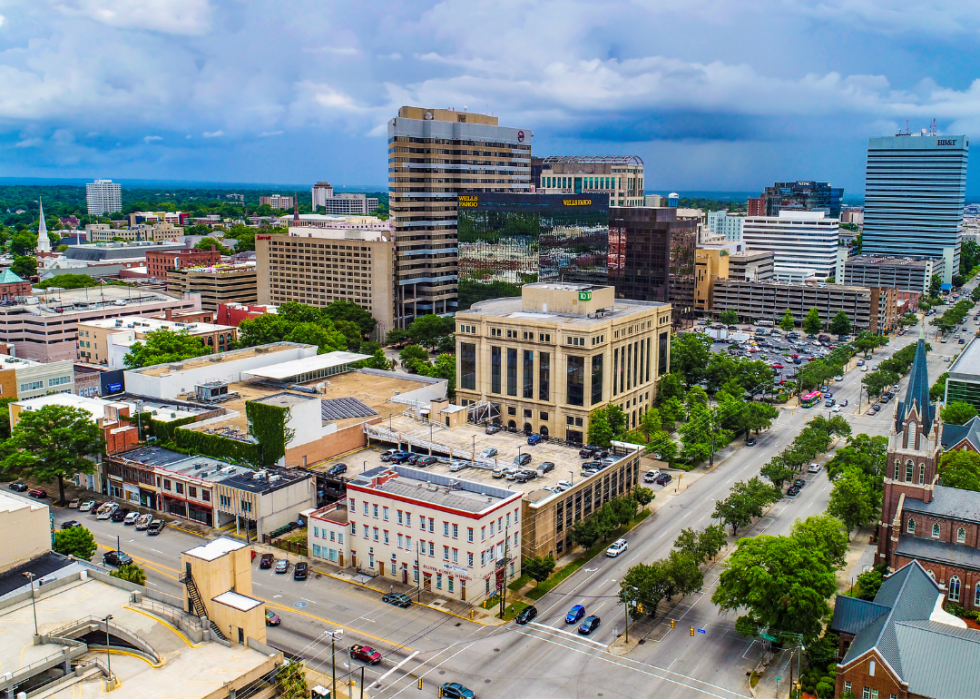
{"x":519,"y":583}
{"x":545,"y":587}
{"x":297,"y":537}
{"x":513,"y":609}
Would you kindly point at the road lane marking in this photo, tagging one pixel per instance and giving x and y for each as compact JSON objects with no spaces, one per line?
{"x":335,"y":624}
{"x":382,"y":678}
{"x":431,"y":669}
{"x":574,"y":636}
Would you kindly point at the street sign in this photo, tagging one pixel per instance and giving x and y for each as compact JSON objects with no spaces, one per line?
{"x":702,"y":631}
{"x":779,"y":679}
{"x":768,"y":637}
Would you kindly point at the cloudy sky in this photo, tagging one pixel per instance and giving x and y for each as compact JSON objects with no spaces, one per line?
{"x":713,"y":94}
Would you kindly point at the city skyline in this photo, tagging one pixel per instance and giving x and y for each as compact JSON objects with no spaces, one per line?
{"x":207,"y":91}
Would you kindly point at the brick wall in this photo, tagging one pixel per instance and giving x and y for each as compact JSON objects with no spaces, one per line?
{"x":340,"y":442}
{"x":859,"y":674}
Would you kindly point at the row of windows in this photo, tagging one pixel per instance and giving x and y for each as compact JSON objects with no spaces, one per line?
{"x":429,"y":524}
{"x":960,"y":533}
{"x":334,"y":535}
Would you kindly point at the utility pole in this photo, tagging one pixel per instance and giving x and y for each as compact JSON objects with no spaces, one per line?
{"x":30,"y":576}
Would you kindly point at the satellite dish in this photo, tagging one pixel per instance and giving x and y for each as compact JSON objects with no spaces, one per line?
{"x":428,"y":116}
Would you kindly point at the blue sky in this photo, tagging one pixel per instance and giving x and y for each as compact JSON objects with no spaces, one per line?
{"x":713,"y":94}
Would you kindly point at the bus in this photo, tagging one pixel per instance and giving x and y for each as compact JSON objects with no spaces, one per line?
{"x":808,"y":400}
{"x":765,"y":323}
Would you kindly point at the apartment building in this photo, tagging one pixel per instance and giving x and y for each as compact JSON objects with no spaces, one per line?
{"x":871,"y":308}
{"x":108,"y":340}
{"x":44,"y":327}
{"x":547,"y":359}
{"x":322,"y":197}
{"x":216,"y":284}
{"x":751,"y":265}
{"x":450,"y":536}
{"x":618,"y":176}
{"x":158,"y":262}
{"x":434,"y":155}
{"x":711,"y":264}
{"x":722,"y":223}
{"x":804,"y":243}
{"x":318,"y":266}
{"x":25,"y":378}
{"x":103,"y":197}
{"x":277,"y":201}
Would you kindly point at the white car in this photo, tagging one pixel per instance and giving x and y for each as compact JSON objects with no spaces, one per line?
{"x":838,"y":378}
{"x":105,"y":512}
{"x":143,"y":521}
{"x":651,"y":476}
{"x":131,"y":518}
{"x":617,"y":547}
{"x":564,"y":485}
{"x":836,"y":409}
{"x":86,"y":506}
{"x":814,"y":468}
{"x":458,"y":466}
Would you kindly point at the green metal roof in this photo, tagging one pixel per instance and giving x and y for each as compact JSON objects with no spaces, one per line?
{"x":9,"y":277}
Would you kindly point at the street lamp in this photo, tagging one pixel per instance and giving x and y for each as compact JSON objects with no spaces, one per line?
{"x":108,"y":656}
{"x":31,"y":577}
{"x":626,"y":610}
{"x":334,"y":637}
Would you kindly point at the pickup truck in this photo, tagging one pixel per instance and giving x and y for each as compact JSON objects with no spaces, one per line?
{"x":365,"y":654}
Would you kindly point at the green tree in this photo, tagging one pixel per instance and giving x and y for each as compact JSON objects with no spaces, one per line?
{"x":825,"y":534}
{"x":689,"y":356}
{"x":671,"y":412}
{"x":840,"y":324}
{"x":935,"y":284}
{"x":163,"y":346}
{"x":68,"y":281}
{"x":427,"y":330}
{"x":777,"y":472}
{"x":53,"y":442}
{"x":24,"y":266}
{"x":350,"y":311}
{"x":746,"y":501}
{"x":875,"y":381}
{"x":851,"y":501}
{"x":728,"y":317}
{"x":351,"y":332}
{"x":5,"y":419}
{"x":938,"y":389}
{"x":780,"y":583}
{"x":396,"y":336}
{"x":130,"y":573}
{"x":867,"y":455}
{"x":869,"y":582}
{"x":208,"y":243}
{"x":703,"y":544}
{"x":291,"y":680}
{"x":960,"y":469}
{"x":539,"y":568}
{"x":378,"y":360}
{"x":644,"y":496}
{"x":642,"y":588}
{"x":324,"y":338}
{"x":812,"y":323}
{"x":651,"y":423}
{"x":662,"y":446}
{"x":787,"y":322}
{"x":670,"y":386}
{"x":77,"y":542}
{"x":585,"y":532}
{"x":958,"y":412}
{"x":23,"y":243}
{"x":412,"y":356}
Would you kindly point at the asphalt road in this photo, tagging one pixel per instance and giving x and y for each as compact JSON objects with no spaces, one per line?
{"x":546,"y":656}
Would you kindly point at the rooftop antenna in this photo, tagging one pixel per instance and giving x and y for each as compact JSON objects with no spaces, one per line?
{"x":932,"y":128}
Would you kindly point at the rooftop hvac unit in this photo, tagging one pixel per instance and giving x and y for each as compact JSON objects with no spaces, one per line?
{"x":211,"y":391}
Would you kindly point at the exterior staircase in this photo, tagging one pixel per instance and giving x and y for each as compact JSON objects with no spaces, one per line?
{"x":195,"y":597}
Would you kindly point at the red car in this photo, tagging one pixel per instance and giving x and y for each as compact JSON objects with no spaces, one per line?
{"x":38,"y":493}
{"x":777,"y":366}
{"x":365,"y":654}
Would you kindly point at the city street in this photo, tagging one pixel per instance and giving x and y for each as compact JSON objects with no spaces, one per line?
{"x":546,"y":654}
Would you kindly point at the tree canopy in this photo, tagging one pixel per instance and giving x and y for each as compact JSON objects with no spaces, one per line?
{"x":746,"y":501}
{"x":787,"y":322}
{"x":840,"y":324}
{"x":68,"y":281}
{"x":77,"y":542}
{"x":960,"y":469}
{"x":163,"y":346}
{"x":208,"y":243}
{"x":812,"y":323}
{"x":958,"y":412}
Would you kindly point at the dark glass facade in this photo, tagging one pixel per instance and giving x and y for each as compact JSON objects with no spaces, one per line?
{"x":467,"y":365}
{"x":544,"y":376}
{"x":508,"y":240}
{"x":803,"y":196}
{"x":651,"y":258}
{"x":575,"y":387}
{"x":596,"y":379}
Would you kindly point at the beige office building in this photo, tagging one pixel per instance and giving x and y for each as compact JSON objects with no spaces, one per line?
{"x":435,"y":156}
{"x":318,"y":266}
{"x":106,"y":341}
{"x":619,"y":176}
{"x":549,"y":358}
{"x":103,"y":233}
{"x":217,"y":284}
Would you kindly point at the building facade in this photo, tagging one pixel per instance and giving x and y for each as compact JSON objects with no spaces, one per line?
{"x":433,"y":155}
{"x":549,"y":358}
{"x":652,"y":258}
{"x":903,"y":273}
{"x":322,"y":197}
{"x":216,"y":284}
{"x":108,"y":340}
{"x":724,"y":224}
{"x":619,"y":177}
{"x":25,"y":378}
{"x":752,"y":265}
{"x":159,"y":262}
{"x":802,"y":196}
{"x":963,"y":382}
{"x":507,"y":240}
{"x":914,"y":195}
{"x":804,"y":243}
{"x":318,"y":266}
{"x":277,"y":201}
{"x":103,"y":197}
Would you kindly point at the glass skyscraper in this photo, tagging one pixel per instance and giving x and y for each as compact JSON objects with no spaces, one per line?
{"x":508,"y":240}
{"x":914,"y":195}
{"x":803,"y":196}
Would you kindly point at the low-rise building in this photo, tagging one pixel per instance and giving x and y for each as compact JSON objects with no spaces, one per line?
{"x":159,"y":262}
{"x":752,"y":266}
{"x":343,"y":203}
{"x":902,"y":273}
{"x":13,"y":287}
{"x":31,"y":520}
{"x":546,"y":360}
{"x":109,"y":340}
{"x":216,"y":284}
{"x":963,"y":382}
{"x":234,"y":313}
{"x":722,"y":223}
{"x":25,"y":378}
{"x":162,"y":231}
{"x":277,"y":201}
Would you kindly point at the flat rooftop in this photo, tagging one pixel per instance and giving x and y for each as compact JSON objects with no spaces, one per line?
{"x":297,"y":369}
{"x":967,"y":365}
{"x":210,"y":359}
{"x":74,"y":301}
{"x":876,"y":261}
{"x":437,"y":489}
{"x":145,"y":325}
{"x":513,"y":308}
{"x":215,"y":549}
{"x":96,"y":406}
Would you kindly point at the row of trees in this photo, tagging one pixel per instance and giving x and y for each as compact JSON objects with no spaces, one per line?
{"x":611,"y":516}
{"x":953,"y":316}
{"x":889,"y":371}
{"x":431,"y":331}
{"x":840,"y":324}
{"x":857,"y":472}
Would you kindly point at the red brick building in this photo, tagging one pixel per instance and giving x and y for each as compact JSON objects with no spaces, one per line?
{"x":757,"y":206}
{"x":12,"y":286}
{"x":234,"y":313}
{"x":158,"y":262}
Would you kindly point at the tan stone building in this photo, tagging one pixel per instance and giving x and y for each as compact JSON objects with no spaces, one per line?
{"x":549,"y":358}
{"x":318,"y":266}
{"x":108,"y":340}
{"x":619,"y":176}
{"x":31,"y":520}
{"x":223,"y":283}
{"x":436,"y":156}
{"x":709,"y":264}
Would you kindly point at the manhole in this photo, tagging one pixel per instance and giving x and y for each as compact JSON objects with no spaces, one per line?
{"x":486,"y":681}
{"x":442,"y":672}
{"x":496,"y":650}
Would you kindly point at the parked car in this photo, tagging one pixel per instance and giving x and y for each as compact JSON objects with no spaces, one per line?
{"x":663,"y":479}
{"x":75,"y":503}
{"x":38,"y":493}
{"x":106,"y":510}
{"x":86,"y":506}
{"x":535,"y":439}
{"x":267,"y":560}
{"x":799,"y":483}
{"x":525,"y":476}
{"x":70,"y":524}
{"x":500,"y":471}
{"x":814,"y":468}
{"x":426,"y":461}
{"x":143,"y":521}
{"x":386,"y":456}
{"x":282,"y":566}
{"x":399,"y":458}
{"x":546,"y":466}
{"x":131,"y":518}
{"x":271,"y":618}
{"x":793,"y":491}
{"x":301,"y":570}
{"x":456,"y":466}
{"x":156,"y":526}
{"x":751,"y":442}
{"x":117,"y":559}
{"x":651,"y":476}
{"x":488,"y":453}
{"x":522,"y":459}
{"x":591,"y":465}
{"x":120,"y":514}
{"x":587,"y":452}
{"x":574,"y":614}
{"x":19,"y":487}
{"x":454,"y":690}
{"x":589,"y":625}
{"x":365,"y":654}
{"x":526,"y":615}
{"x":617,"y":547}
{"x":838,"y":378}
{"x":398,"y":599}
{"x":564,"y":485}
{"x":337,"y":469}
{"x":492,"y":429}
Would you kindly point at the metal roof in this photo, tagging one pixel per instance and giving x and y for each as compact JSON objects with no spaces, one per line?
{"x":595,"y":159}
{"x":852,"y":615}
{"x":953,"y":503}
{"x":917,"y":397}
{"x":954,"y":434}
{"x":298,"y":367}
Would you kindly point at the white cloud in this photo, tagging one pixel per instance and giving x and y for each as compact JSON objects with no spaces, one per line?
{"x":151,"y":139}
{"x":213,"y":134}
{"x":188,"y":17}
{"x":336,"y":50}
{"x":2,"y":20}
{"x":29,"y":143}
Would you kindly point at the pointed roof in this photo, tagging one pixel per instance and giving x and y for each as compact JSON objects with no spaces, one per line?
{"x":9,"y":277}
{"x":917,"y":397}
{"x":43,"y":244}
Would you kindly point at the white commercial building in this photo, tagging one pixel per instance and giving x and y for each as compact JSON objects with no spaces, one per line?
{"x":804,"y":243}
{"x":721,"y":223}
{"x":344,"y":203}
{"x":28,"y":526}
{"x":463,"y":537}
{"x":103,"y":197}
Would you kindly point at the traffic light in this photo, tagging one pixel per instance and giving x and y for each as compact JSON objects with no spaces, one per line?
{"x":692,"y":630}
{"x":673,"y":624}
{"x":639,"y":608}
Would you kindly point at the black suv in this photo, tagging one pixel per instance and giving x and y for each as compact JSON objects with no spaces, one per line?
{"x":546,"y":466}
{"x":526,"y":615}
{"x":301,"y":571}
{"x":117,"y":558}
{"x":426,"y":461}
{"x":120,"y":514}
{"x":337,"y":469}
{"x":587,"y":452}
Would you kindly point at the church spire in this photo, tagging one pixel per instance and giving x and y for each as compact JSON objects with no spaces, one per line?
{"x":296,"y":220}
{"x":43,"y":244}
{"x":917,"y":397}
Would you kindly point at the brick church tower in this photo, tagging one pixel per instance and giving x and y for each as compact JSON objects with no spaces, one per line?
{"x":914,"y":447}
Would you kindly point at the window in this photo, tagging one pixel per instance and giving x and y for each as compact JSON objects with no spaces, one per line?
{"x":408,"y":519}
{"x":374,"y":509}
{"x":455,"y":556}
{"x":596,"y":379}
{"x":494,"y":370}
{"x":544,"y":376}
{"x":954,"y":589}
{"x":455,"y":531}
{"x":385,"y":513}
{"x":491,"y":528}
{"x":386,"y":536}
{"x":180,"y":488}
{"x":467,"y":365}
{"x":432,"y":549}
{"x":483,"y":533}
{"x":445,"y":528}
{"x":527,"y":390}
{"x":847,"y":686}
{"x":575,"y":381}
{"x":469,"y":534}
{"x":898,"y":467}
{"x":908,"y":472}
{"x":512,"y":372}
{"x":910,"y":527}
{"x":976,"y":597}
{"x":922,"y":474}
{"x":191,"y":491}
{"x":432,"y":525}
{"x":469,"y":562}
{"x":365,"y":509}
{"x":206,"y":495}
{"x":366,"y":531}
{"x":351,"y":504}
{"x":961,"y":536}
{"x":871,"y":669}
{"x":935,"y":530}
{"x":375,"y":533}
{"x":400,"y":520}
{"x":450,"y":585}
{"x":483,"y":558}
{"x":166,"y":484}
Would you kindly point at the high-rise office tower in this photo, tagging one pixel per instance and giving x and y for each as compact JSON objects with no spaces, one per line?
{"x":913,"y":196}
{"x":618,"y":176}
{"x":438,"y":159}
{"x":103,"y":197}
{"x":802,"y":196}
